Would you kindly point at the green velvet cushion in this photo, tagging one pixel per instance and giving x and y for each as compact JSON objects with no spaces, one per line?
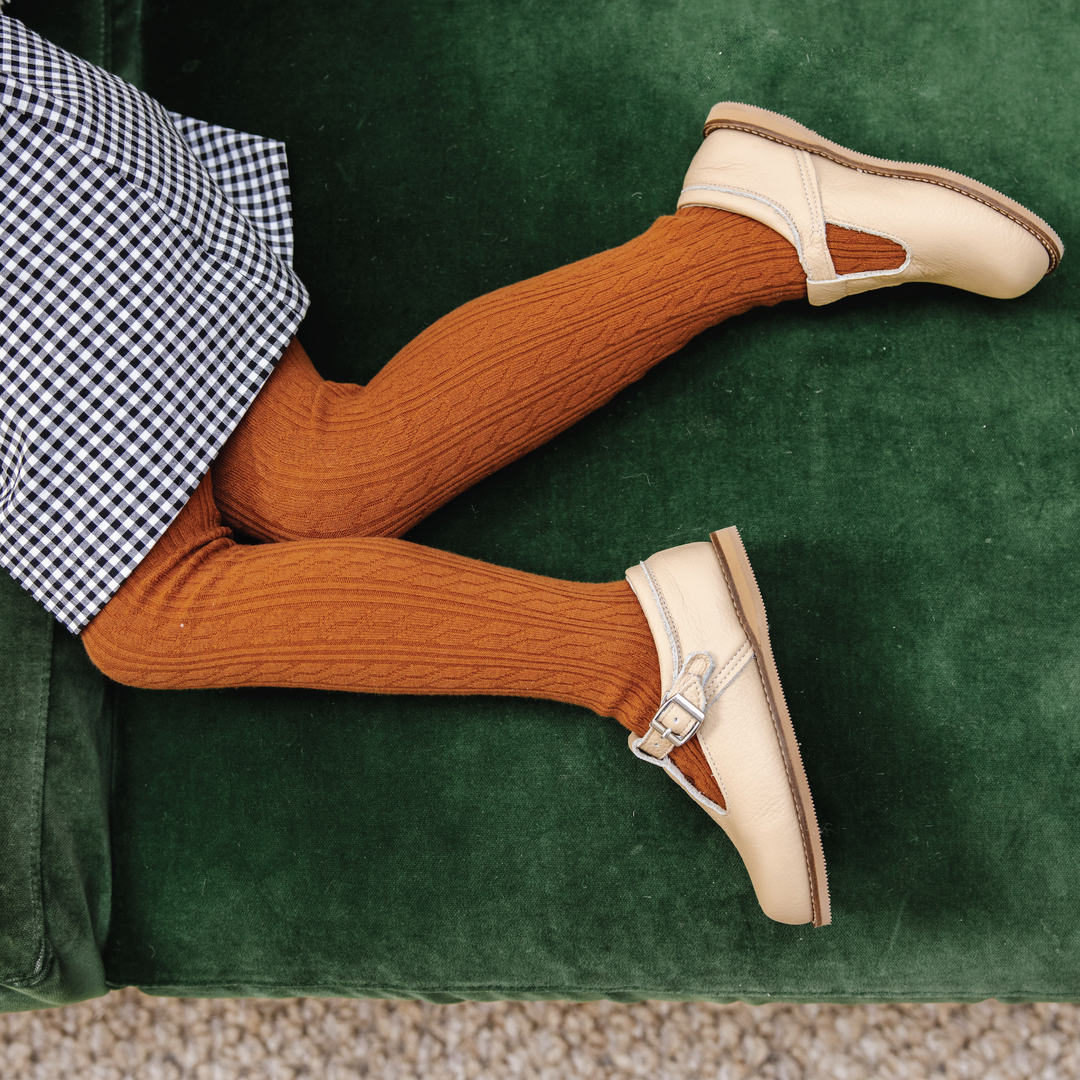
{"x":54,"y":832}
{"x":902,"y":466}
{"x":105,"y":32}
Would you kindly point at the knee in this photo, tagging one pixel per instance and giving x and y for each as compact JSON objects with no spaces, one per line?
{"x":113,"y":641}
{"x":138,"y":638}
{"x":125,"y":641}
{"x":155,"y":631}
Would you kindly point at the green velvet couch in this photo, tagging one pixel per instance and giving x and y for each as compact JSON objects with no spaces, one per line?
{"x":903,"y":466}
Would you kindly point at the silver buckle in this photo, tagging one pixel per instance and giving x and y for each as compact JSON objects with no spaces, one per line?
{"x":666,"y":732}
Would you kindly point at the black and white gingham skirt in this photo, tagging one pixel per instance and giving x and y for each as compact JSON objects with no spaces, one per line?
{"x":146,"y":293}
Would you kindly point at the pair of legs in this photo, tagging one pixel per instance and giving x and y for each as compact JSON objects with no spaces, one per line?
{"x":335,"y":474}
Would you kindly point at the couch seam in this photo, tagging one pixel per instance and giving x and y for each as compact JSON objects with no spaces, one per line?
{"x":42,"y":963}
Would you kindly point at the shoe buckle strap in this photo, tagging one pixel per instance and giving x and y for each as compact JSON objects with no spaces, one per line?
{"x":682,"y":710}
{"x":817,"y":258}
{"x":671,"y":721}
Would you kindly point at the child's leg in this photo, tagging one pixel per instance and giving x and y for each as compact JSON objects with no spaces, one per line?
{"x":483,"y":386}
{"x":377,"y":615}
{"x":494,"y":379}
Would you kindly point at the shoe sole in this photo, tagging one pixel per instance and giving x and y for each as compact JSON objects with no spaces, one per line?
{"x":735,"y":116}
{"x":746,"y":595}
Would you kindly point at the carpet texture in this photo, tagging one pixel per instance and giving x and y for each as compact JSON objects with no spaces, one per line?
{"x":127,"y":1036}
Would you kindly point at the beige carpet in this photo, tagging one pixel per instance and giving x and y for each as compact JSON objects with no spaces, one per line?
{"x":129,"y":1035}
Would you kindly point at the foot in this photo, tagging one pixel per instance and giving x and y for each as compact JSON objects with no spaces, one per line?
{"x":954,"y":230}
{"x":721,"y":688}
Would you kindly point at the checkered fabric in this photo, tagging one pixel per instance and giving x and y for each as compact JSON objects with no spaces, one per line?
{"x":145,"y":296}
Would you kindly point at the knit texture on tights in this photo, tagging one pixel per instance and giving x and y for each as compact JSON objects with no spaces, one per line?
{"x":337,"y":473}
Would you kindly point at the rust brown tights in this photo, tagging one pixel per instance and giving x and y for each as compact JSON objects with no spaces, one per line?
{"x":336,"y":473}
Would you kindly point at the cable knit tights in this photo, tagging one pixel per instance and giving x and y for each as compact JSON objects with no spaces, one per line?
{"x":335,"y":473}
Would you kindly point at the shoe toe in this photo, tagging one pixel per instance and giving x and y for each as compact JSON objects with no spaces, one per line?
{"x":952,"y":238}
{"x":740,"y":741}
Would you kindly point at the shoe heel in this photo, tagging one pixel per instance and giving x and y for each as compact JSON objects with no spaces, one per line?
{"x":742,"y":584}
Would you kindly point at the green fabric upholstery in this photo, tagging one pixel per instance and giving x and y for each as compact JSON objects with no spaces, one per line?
{"x":902,"y":465}
{"x":105,"y":32}
{"x":55,"y":880}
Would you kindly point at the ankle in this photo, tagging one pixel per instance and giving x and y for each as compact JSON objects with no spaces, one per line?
{"x":771,"y":261}
{"x":750,"y":264}
{"x":855,"y":252}
{"x":639,"y":697}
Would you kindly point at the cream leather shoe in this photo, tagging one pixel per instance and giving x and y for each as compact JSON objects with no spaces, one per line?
{"x":955,"y":230}
{"x":721,"y":687}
